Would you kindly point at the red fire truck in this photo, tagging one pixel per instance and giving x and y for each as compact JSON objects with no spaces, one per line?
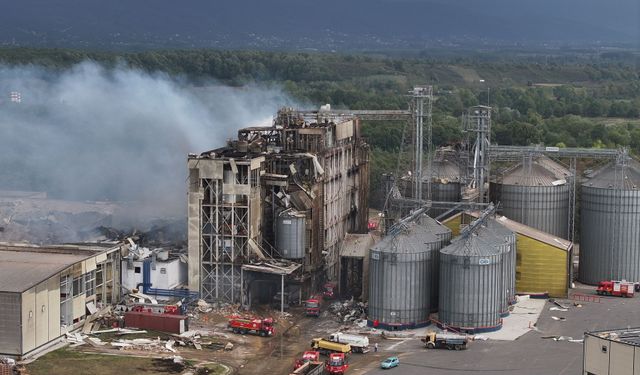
{"x":263,"y":327}
{"x":337,"y":364}
{"x":616,"y":288}
{"x":312,"y":306}
{"x":309,"y":356}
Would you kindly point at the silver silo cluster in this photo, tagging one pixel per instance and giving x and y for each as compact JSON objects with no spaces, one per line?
{"x":444,"y":236}
{"x":471,"y":278}
{"x":610,"y":224}
{"x":291,"y":234}
{"x":535,"y":193}
{"x":505,"y":240}
{"x":400,"y":268}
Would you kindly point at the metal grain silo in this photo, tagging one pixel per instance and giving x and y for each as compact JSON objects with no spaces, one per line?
{"x":505,"y":240}
{"x":290,"y":234}
{"x":470,"y":285}
{"x":400,"y":269}
{"x":445,"y":183}
{"x":610,"y":225}
{"x":535,"y":193}
{"x":444,"y":236}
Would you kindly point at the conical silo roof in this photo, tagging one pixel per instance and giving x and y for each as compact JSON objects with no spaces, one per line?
{"x":434,"y":226}
{"x":539,"y":172}
{"x":471,"y":245}
{"x":413,"y":238}
{"x":625,"y":177}
{"x":444,"y":171}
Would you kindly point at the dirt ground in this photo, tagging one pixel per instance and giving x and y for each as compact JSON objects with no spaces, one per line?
{"x":251,"y":354}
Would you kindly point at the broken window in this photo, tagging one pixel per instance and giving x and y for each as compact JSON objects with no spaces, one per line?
{"x":78,"y":286}
{"x":90,"y":283}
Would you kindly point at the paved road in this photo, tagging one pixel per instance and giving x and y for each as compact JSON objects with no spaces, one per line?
{"x":529,"y":355}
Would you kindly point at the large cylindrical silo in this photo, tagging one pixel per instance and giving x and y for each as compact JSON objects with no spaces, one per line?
{"x":400,"y":269}
{"x":610,"y":225}
{"x":445,"y":183}
{"x":505,"y":241}
{"x":470,"y":285}
{"x":291,"y":234}
{"x":535,"y":193}
{"x":444,"y":236}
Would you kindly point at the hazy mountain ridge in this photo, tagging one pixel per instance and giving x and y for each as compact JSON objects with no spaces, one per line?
{"x":327,"y":25}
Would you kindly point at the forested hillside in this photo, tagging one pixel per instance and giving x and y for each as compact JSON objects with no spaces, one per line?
{"x":557,"y":101}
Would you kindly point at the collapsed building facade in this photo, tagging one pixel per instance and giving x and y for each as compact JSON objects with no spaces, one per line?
{"x":273,"y":207}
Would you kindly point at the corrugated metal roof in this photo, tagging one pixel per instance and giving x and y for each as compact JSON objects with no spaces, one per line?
{"x":472,"y":245}
{"x":433,"y":226}
{"x":629,"y":336}
{"x":528,"y":231}
{"x":612,"y":176}
{"x":413,"y":238}
{"x":540,"y":172}
{"x":444,"y":171}
{"x":22,"y":267}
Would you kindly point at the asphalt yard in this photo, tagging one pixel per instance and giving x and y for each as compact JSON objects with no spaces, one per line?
{"x":553,"y":346}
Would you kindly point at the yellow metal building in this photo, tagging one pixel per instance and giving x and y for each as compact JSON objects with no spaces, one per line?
{"x":542,"y":260}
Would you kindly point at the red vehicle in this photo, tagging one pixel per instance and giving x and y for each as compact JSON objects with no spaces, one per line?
{"x":263,"y":327}
{"x":307,"y":357}
{"x":616,"y":288}
{"x":337,"y":364}
{"x":312,"y":306}
{"x":329,"y":291}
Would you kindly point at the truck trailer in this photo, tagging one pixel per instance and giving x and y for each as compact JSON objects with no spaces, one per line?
{"x":450,"y":341}
{"x":327,"y":347}
{"x":359,"y":344}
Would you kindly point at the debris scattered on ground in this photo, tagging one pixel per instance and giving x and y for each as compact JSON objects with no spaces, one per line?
{"x":563,"y":338}
{"x":561,"y":318}
{"x":228,"y":347}
{"x":558,"y":309}
{"x":558,"y":304}
{"x":156,"y":345}
{"x":203,"y":306}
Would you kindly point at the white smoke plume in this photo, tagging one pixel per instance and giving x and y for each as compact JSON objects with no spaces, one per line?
{"x":92,"y":133}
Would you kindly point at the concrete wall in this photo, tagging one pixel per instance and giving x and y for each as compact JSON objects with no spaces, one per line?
{"x":10,"y":331}
{"x":605,"y":357}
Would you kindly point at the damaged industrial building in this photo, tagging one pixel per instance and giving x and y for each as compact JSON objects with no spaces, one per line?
{"x":48,"y":291}
{"x":268,"y":213}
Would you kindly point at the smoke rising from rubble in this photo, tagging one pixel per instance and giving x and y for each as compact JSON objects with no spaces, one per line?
{"x":92,"y":133}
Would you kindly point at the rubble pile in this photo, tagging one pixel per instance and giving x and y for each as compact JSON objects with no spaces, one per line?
{"x":7,"y":366}
{"x":349,"y":311}
{"x":188,"y":339}
{"x":202,"y":309}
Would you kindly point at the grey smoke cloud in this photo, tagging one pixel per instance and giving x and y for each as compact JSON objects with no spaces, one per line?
{"x":91,"y":133}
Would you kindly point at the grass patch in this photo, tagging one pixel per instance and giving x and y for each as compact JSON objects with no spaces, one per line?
{"x":65,"y":361}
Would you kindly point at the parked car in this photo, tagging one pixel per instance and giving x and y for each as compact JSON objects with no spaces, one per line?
{"x":390,"y":363}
